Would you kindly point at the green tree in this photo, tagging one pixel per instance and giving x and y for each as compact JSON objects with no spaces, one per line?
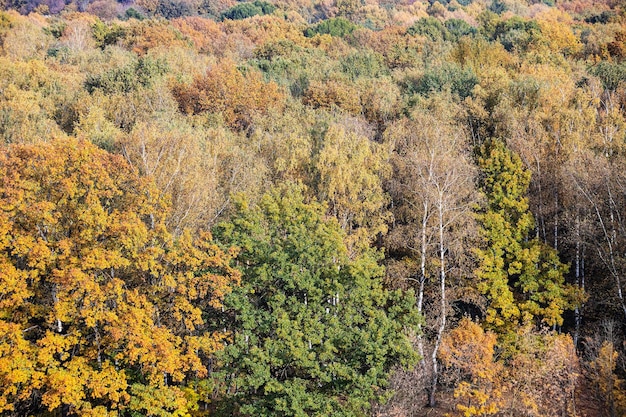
{"x":245,"y":10}
{"x":430,"y":28}
{"x":612,"y":75}
{"x":460,"y":81}
{"x":315,"y":333}
{"x":336,"y":26}
{"x":170,"y":9}
{"x":521,"y":277}
{"x":107,"y":34}
{"x":459,"y":28}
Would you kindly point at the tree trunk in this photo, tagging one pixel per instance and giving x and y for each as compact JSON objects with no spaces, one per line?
{"x":442,"y":311}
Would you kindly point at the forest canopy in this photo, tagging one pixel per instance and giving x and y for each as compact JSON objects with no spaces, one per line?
{"x":312,"y":208}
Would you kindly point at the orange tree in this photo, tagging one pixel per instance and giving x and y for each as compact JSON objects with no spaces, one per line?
{"x":236,"y":96}
{"x":101,"y":309}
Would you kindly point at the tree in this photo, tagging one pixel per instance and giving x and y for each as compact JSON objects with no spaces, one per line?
{"x":460,"y":81}
{"x":249,"y":9}
{"x":171,"y":9}
{"x":139,"y":74}
{"x":31,"y":101}
{"x":459,"y":28}
{"x":430,"y":28}
{"x":337,"y":26}
{"x":348,"y":175}
{"x":602,"y":370}
{"x":22,"y":38}
{"x":203,"y":32}
{"x":468,"y":352}
{"x":315,"y":333}
{"x":521,"y":277}
{"x":225,"y":90}
{"x":542,"y":374}
{"x":432,"y":194}
{"x":107,"y":34}
{"x":142,"y":35}
{"x":397,"y":49}
{"x":186,"y":166}
{"x":600,"y":194}
{"x":101,"y":310}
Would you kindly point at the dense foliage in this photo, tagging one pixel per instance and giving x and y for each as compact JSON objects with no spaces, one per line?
{"x":102,"y":310}
{"x":312,"y":208}
{"x":315,"y":332}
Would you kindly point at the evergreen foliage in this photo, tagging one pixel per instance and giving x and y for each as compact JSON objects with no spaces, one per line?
{"x":247,"y":9}
{"x":337,"y":26}
{"x":315,"y":333}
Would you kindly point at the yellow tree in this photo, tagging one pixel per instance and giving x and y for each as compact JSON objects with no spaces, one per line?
{"x":609,"y":387}
{"x":349,"y":171}
{"x":101,"y":309}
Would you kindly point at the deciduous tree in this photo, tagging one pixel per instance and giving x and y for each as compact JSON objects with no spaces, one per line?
{"x":521,"y":278}
{"x":349,"y":169}
{"x":432,"y":191}
{"x":101,"y":309}
{"x":236,"y":96}
{"x":469,"y":352}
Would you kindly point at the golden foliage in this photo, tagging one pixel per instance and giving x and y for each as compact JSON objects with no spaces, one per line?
{"x":556,"y":29}
{"x":102,"y":304}
{"x":611,"y":388}
{"x":470,"y":350}
{"x":25,"y":39}
{"x":350,"y":169}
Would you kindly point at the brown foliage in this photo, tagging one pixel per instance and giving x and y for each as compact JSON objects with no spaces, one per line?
{"x":617,"y":48}
{"x":142,"y":36}
{"x":542,"y":374}
{"x":204,"y":33}
{"x":238,"y":97}
{"x":398,"y":50}
{"x":331,"y":93}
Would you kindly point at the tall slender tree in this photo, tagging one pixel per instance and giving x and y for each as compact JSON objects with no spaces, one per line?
{"x":521,"y":278}
{"x":433,"y":191}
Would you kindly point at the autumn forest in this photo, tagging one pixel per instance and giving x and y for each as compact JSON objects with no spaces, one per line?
{"x":385,"y":208}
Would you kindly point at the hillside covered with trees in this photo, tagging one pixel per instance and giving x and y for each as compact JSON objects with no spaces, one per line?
{"x":312,"y":208}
